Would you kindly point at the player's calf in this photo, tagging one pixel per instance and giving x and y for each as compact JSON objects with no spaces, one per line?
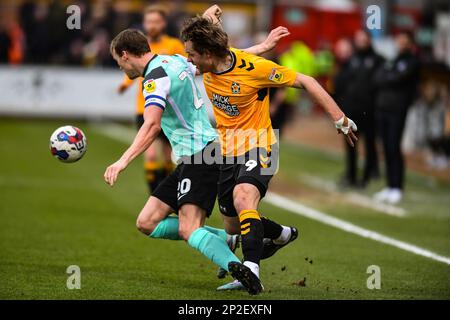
{"x":191,"y":218}
{"x":246,"y":198}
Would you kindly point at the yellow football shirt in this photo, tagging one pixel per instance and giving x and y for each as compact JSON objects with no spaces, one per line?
{"x":240,"y":99}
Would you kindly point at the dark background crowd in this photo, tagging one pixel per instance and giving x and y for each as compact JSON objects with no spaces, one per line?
{"x":36,"y":33}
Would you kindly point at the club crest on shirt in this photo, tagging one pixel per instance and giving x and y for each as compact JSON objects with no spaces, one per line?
{"x":149,"y":85}
{"x":276,"y":76}
{"x":235,"y":88}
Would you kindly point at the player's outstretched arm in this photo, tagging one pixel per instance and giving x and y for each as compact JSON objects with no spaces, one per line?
{"x":343,"y":124}
{"x":144,"y":138}
{"x":271,"y":41}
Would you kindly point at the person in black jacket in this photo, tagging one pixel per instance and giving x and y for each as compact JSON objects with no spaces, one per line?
{"x":396,"y":82}
{"x":355,"y":93}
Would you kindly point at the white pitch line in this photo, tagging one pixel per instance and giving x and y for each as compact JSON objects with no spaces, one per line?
{"x":115,"y":131}
{"x":314,"y":214}
{"x":352,"y":197}
{"x":367,"y":202}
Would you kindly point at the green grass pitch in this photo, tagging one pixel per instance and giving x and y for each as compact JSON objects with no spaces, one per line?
{"x":53,"y":215}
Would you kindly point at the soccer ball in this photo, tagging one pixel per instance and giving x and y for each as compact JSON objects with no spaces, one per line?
{"x":68,"y":144}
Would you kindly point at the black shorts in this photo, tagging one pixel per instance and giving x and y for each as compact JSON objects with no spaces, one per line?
{"x":250,"y":168}
{"x":161,"y":136}
{"x":190,"y":183}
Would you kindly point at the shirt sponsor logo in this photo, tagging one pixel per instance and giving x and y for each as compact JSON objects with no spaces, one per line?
{"x":276,"y":76}
{"x":149,"y":85}
{"x":223,"y":103}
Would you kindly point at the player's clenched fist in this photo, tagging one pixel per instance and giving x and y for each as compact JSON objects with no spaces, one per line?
{"x":112,"y":172}
{"x":214,"y":13}
{"x":274,"y":36}
{"x":347,"y":127}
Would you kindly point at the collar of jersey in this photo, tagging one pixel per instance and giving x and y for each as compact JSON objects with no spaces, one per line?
{"x":233,"y":63}
{"x":148,"y":63}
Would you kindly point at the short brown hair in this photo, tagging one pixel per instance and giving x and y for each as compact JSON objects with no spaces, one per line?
{"x":131,"y":40}
{"x":205,"y":36}
{"x":156,"y":8}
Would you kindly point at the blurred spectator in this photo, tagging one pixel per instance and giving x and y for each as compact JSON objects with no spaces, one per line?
{"x":343,"y":51}
{"x":356,"y":95}
{"x":425,"y":125}
{"x":5,"y":44}
{"x":396,"y":82}
{"x":48,"y":40}
{"x":34,"y":20}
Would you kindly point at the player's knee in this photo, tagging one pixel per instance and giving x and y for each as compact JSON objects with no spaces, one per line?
{"x":145,"y":225}
{"x":243,"y":199}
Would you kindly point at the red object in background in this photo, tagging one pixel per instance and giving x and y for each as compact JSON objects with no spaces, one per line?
{"x":16,"y":51}
{"x":314,"y":26}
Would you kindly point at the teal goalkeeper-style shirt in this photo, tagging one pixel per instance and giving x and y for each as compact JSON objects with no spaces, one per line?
{"x":169,"y":84}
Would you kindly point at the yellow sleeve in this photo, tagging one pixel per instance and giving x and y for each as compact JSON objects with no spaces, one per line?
{"x":270,"y":74}
{"x":178,"y":48}
{"x":126,"y":82}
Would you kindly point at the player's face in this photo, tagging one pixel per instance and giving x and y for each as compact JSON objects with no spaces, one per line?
{"x":125,"y":63}
{"x":153,"y":24}
{"x":203,"y":62}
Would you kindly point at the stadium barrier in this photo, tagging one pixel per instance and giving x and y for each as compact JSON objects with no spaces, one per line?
{"x":67,"y":92}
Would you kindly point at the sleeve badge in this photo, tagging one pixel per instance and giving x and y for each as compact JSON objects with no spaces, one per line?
{"x":276,"y":76}
{"x":149,"y":85}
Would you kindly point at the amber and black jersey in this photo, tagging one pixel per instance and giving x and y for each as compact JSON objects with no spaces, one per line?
{"x":240,"y":99}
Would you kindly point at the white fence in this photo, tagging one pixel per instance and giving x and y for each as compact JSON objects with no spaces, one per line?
{"x":44,"y":91}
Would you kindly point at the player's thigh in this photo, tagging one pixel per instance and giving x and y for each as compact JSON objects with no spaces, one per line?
{"x":152,"y":214}
{"x":252,"y":180}
{"x":191,"y":217}
{"x":162,"y":202}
